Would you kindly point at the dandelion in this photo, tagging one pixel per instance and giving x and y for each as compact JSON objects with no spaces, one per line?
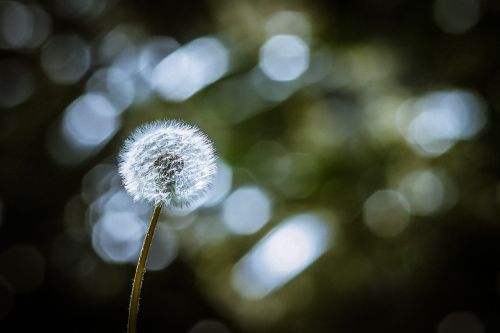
{"x":167,"y":163}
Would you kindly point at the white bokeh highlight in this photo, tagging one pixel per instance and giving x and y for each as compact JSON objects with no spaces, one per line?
{"x":119,"y":226}
{"x":281,"y":255}
{"x":23,"y":25}
{"x":117,"y":236}
{"x":246,"y":210}
{"x":90,"y":121}
{"x":434,"y":123}
{"x":190,"y":68}
{"x":284,"y":57}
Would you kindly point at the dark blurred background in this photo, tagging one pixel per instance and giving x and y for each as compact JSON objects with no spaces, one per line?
{"x":358,"y":184}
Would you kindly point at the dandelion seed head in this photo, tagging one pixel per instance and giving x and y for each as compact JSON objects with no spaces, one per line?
{"x":167,"y":162}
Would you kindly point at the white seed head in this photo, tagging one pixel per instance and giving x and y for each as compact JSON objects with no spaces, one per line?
{"x":167,"y":162}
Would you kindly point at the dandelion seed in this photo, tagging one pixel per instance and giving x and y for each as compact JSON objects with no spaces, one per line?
{"x":167,"y":162}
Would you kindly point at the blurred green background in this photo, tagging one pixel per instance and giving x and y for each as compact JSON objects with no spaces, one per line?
{"x":358,"y":185}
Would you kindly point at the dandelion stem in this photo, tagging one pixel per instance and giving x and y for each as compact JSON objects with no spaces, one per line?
{"x":139,"y":272}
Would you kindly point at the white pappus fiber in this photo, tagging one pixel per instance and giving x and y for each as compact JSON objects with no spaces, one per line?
{"x":167,"y":162}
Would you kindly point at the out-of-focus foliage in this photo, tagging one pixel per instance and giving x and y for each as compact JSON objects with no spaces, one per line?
{"x":358,"y":173}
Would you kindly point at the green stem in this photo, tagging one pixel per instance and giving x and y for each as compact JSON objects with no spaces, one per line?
{"x":139,"y":273}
